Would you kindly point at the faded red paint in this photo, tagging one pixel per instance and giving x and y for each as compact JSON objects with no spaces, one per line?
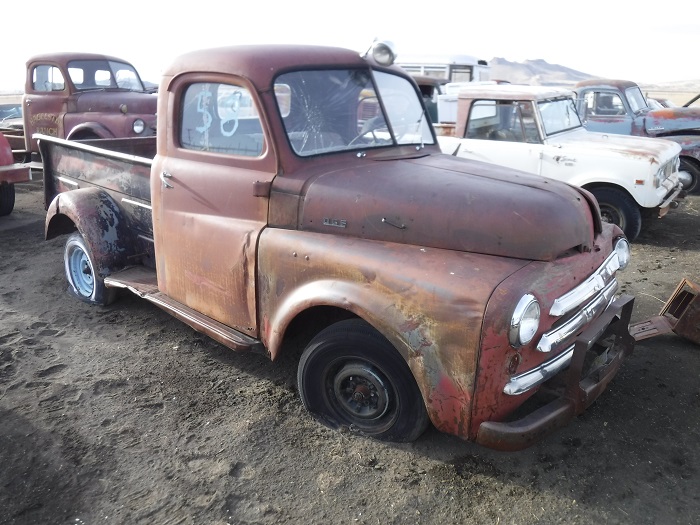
{"x":432,"y":251}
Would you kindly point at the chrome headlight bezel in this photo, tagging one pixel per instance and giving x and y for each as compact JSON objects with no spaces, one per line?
{"x":525,"y":321}
{"x":621,"y":247}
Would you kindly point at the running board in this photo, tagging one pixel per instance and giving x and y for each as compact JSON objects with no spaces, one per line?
{"x":143,"y":282}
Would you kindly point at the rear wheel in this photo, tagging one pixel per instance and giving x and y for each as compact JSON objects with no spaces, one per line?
{"x":350,"y":376}
{"x":84,"y":281}
{"x":693,"y":186}
{"x":7,"y":199}
{"x":619,"y":208}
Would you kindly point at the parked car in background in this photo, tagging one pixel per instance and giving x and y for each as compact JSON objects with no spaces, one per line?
{"x":661,"y":102}
{"x":619,"y":107}
{"x":11,"y":116}
{"x":83,"y":96}
{"x":536,"y":129}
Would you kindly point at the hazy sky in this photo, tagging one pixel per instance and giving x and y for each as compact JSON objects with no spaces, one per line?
{"x":653,"y":43}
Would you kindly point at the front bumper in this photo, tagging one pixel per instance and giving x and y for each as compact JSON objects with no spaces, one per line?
{"x":608,"y":340}
{"x":672,"y":199}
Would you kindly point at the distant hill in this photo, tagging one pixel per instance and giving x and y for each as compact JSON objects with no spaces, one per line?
{"x":541,"y":73}
{"x":535,"y":72}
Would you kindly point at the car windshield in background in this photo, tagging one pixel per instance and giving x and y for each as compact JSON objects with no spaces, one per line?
{"x":559,"y":115}
{"x":10,"y":111}
{"x":341,"y":109}
{"x":104,"y":74}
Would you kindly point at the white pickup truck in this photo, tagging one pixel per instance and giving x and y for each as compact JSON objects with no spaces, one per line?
{"x":536,"y":129}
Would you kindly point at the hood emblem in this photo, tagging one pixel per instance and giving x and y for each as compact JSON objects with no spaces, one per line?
{"x":336,"y":223}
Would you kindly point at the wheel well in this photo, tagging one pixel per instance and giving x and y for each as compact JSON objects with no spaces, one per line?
{"x":597,"y":185}
{"x":60,"y":225}
{"x":84,"y":134}
{"x":691,"y":160}
{"x":308,"y":323}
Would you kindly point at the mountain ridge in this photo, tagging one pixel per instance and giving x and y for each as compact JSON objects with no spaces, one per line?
{"x":542,"y":73}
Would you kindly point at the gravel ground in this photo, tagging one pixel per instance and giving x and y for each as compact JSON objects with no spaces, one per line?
{"x":123,"y":415}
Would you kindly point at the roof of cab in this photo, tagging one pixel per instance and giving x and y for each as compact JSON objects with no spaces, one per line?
{"x":261,"y":63}
{"x":512,"y":91}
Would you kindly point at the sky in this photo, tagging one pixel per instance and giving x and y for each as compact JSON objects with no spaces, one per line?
{"x":652,"y":44}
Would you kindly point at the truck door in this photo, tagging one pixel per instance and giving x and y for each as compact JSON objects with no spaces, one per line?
{"x":605,"y":111}
{"x":504,"y":133}
{"x":43,"y":103}
{"x":210,"y":200}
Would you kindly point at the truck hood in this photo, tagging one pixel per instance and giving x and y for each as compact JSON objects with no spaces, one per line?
{"x":441,"y":201}
{"x":654,"y":152}
{"x":672,"y":120}
{"x":134,"y":102}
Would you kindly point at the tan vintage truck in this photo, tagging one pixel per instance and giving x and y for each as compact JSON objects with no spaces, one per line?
{"x":298,"y":193}
{"x":537,"y":129}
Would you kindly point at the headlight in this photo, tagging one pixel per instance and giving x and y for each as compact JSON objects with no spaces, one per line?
{"x":383,"y":53}
{"x":138,"y":126}
{"x":525,"y":321}
{"x":622,"y":249}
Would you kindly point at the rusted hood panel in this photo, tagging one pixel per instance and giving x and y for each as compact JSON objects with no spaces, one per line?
{"x":444,"y":202}
{"x":135,"y":102}
{"x":606,"y":144}
{"x":672,"y":120}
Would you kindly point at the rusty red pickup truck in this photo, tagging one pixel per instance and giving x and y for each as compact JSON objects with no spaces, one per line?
{"x":299,"y":193}
{"x":82,"y":96}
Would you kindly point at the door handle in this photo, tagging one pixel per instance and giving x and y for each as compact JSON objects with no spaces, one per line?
{"x":165,"y":175}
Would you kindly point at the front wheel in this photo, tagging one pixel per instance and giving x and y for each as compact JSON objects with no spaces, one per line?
{"x":350,"y":376}
{"x":619,"y":208}
{"x":693,"y":184}
{"x":84,"y":281}
{"x":7,"y":199}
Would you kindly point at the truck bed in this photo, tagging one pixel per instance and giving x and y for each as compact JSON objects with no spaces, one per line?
{"x":122,"y":167}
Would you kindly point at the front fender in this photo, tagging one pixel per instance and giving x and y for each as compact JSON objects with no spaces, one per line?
{"x":428,"y":303}
{"x":99,"y":219}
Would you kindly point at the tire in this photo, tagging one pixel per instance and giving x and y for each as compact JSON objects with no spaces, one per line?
{"x":351,"y":377}
{"x":83,"y":282}
{"x":694,"y":172}
{"x":619,"y":208}
{"x":7,"y":199}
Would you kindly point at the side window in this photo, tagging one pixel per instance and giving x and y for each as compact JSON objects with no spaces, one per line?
{"x":220,"y":118}
{"x":47,"y":78}
{"x":483,"y":119}
{"x":502,"y":120}
{"x":604,"y":104}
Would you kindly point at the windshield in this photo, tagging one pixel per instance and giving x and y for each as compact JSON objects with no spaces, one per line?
{"x":558,"y":115}
{"x":101,"y":74}
{"x":635,"y":98}
{"x":343,"y":109}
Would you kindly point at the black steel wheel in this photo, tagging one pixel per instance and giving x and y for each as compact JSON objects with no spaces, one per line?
{"x":617,"y":207}
{"x":691,"y":169}
{"x":84,"y":281}
{"x":7,"y":199}
{"x":350,"y":376}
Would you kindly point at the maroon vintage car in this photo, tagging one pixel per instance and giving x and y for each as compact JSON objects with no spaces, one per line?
{"x":297,"y":195}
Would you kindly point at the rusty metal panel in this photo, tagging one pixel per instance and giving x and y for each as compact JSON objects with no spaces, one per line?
{"x":407,"y":200}
{"x":679,"y":315}
{"x":427,"y":302}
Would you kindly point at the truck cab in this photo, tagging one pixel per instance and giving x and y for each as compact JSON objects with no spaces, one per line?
{"x":85,"y":96}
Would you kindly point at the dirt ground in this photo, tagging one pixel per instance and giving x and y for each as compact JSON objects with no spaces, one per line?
{"x":124,"y":415}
